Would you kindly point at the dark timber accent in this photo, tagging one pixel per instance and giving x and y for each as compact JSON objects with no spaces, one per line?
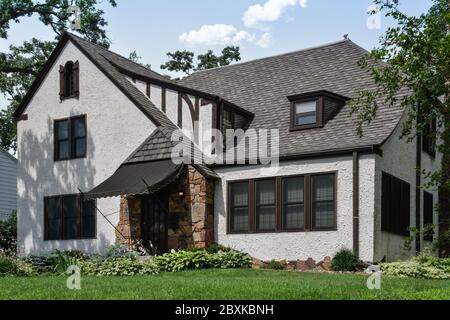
{"x":23,"y":117}
{"x":356,"y":203}
{"x":180,"y":110}
{"x":163,"y":99}
{"x":148,"y":90}
{"x":418,"y":189}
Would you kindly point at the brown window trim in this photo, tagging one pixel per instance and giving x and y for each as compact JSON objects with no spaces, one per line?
{"x":279,"y":204}
{"x":71,"y":139}
{"x":61,"y":226}
{"x":319,"y":113}
{"x":311,"y":96}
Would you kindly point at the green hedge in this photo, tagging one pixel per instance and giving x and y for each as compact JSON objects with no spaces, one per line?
{"x":202,"y":259}
{"x":119,"y":261}
{"x":12,"y":267}
{"x":420,"y":267}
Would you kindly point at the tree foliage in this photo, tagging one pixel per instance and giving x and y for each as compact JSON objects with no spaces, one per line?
{"x":20,"y":65}
{"x":183,"y":61}
{"x":411,"y":69}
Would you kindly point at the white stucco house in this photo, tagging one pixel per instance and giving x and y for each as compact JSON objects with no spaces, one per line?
{"x":95,"y":142}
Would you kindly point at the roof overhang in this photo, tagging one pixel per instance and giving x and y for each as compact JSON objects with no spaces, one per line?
{"x":137,"y":178}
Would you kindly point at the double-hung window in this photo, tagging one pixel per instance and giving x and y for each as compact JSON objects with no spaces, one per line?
{"x":69,"y":217}
{"x":70,"y":138}
{"x":305,"y":113}
{"x":283,"y":204}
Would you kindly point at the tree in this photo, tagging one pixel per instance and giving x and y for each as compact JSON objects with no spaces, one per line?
{"x":133,"y":56}
{"x":22,"y":63}
{"x":184,"y":60}
{"x":414,"y":55}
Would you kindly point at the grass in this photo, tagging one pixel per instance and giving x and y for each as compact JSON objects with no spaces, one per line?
{"x":226,"y":285}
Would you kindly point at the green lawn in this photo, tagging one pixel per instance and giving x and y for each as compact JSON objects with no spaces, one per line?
{"x":225,"y":284}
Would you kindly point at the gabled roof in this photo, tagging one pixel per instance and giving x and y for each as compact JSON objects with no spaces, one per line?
{"x":100,"y":57}
{"x":263,"y":86}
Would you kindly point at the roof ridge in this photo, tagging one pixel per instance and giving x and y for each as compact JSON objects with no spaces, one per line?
{"x":112,"y":52}
{"x":277,"y":55}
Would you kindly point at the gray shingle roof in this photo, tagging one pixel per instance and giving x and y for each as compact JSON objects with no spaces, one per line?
{"x":262,"y":87}
{"x":102,"y":58}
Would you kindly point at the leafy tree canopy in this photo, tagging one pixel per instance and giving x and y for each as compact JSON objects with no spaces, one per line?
{"x":183,"y":61}
{"x":413,"y":57}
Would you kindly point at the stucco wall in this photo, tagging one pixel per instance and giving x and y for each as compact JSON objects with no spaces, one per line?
{"x":115,"y":127}
{"x":399,"y":160}
{"x":303,"y":245}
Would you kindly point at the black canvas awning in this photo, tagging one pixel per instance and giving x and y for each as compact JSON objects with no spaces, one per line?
{"x":137,"y":178}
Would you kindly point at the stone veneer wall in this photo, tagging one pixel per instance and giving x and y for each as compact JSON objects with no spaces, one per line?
{"x":190,"y":213}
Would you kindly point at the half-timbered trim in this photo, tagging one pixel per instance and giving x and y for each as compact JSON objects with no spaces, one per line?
{"x":163,"y":99}
{"x":148,"y":90}
{"x":180,"y":110}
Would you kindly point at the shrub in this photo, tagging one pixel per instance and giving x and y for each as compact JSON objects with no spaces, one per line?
{"x":114,"y":252}
{"x":10,"y":266}
{"x":276,"y":265}
{"x":8,"y":235}
{"x":231,"y":259}
{"x":345,"y":260}
{"x":183,"y":260}
{"x":117,"y":267}
{"x":201,"y":259}
{"x":419,"y":267}
{"x":56,"y":261}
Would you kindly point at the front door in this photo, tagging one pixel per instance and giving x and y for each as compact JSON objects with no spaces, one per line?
{"x":154,"y":223}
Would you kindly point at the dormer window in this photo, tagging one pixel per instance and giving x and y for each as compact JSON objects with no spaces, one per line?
{"x":306,"y":113}
{"x":69,"y":80}
{"x":313,"y":110}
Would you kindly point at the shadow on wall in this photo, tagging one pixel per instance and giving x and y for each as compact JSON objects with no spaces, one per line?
{"x":41,"y":176}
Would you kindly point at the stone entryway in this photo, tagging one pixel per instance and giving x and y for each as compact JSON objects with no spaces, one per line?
{"x":188,"y":219}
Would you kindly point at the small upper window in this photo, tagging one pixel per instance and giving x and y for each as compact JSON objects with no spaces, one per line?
{"x":314,"y":109}
{"x":69,"y":80}
{"x":70,"y":138}
{"x":306,"y":113}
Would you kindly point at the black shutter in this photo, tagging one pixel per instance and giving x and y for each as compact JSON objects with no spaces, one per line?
{"x":76,"y":79}
{"x":61,"y":82}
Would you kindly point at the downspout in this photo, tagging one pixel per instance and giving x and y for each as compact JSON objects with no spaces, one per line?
{"x":356,"y":203}
{"x":418,"y":190}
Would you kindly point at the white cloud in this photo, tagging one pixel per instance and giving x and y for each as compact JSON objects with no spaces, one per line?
{"x":265,"y":41}
{"x":222,"y":34}
{"x":270,"y":11}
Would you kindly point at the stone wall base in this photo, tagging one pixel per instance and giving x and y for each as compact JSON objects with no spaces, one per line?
{"x":297,"y":265}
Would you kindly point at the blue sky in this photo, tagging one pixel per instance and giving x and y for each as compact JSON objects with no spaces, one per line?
{"x":260,"y":27}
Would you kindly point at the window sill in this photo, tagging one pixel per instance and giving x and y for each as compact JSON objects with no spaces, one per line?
{"x":75,"y":96}
{"x":69,"y":159}
{"x":284,"y":231}
{"x":306,"y":127}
